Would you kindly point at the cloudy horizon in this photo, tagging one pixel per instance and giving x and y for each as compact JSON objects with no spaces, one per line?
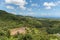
{"x":37,"y":8}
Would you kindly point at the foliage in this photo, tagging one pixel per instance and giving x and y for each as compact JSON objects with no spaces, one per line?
{"x":37,"y":28}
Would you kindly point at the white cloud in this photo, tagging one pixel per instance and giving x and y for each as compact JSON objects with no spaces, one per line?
{"x":58,"y":2}
{"x":49,"y":5}
{"x":34,"y":4}
{"x":20,"y":3}
{"x":29,"y":9}
{"x":8,"y":1}
{"x":9,"y":7}
{"x":30,"y":0}
{"x":22,"y":7}
{"x":27,"y":14}
{"x":30,"y":14}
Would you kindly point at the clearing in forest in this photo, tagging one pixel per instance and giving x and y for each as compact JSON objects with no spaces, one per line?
{"x":21,"y":30}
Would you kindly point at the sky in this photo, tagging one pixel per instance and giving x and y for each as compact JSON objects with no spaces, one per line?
{"x":35,"y":8}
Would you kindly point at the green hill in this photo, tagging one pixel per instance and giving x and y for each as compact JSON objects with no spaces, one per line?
{"x":38,"y":26}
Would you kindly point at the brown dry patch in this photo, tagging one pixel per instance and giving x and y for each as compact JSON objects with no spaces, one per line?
{"x":17,"y":30}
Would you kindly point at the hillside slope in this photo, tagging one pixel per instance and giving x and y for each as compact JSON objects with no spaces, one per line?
{"x":8,"y":20}
{"x":35,"y":26}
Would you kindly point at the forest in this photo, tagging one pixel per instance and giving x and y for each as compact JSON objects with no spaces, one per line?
{"x":35,"y":28}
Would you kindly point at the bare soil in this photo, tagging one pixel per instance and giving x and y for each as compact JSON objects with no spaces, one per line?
{"x":17,"y":30}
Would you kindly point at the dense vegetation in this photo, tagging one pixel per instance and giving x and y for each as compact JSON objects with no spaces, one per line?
{"x":37,"y":28}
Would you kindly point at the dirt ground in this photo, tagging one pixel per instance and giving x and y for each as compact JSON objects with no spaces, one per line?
{"x":17,"y":30}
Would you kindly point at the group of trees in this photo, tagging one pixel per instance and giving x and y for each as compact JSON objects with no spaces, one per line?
{"x":32,"y":34}
{"x":37,"y":29}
